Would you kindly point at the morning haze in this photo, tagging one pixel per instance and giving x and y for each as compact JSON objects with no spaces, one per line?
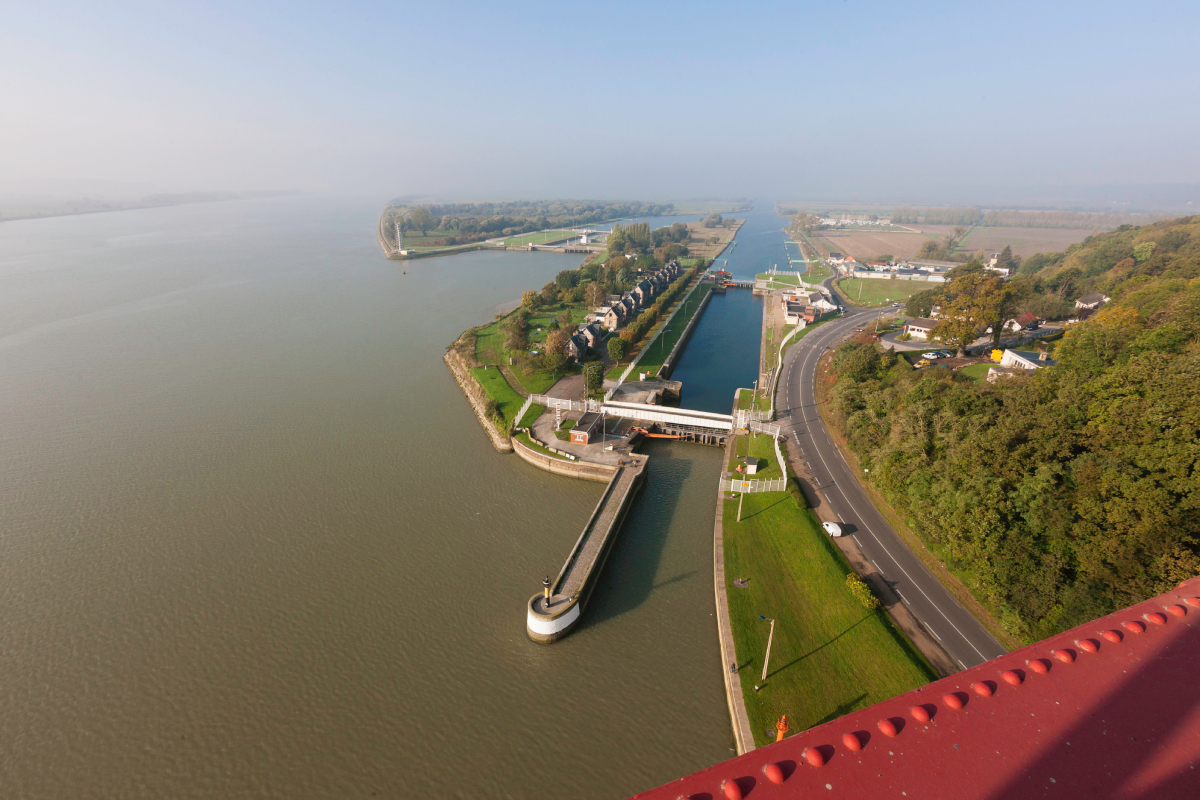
{"x":834,"y":101}
{"x":465,"y":400}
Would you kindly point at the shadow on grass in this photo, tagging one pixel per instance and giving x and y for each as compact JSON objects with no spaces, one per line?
{"x":819,"y":648}
{"x":841,"y":710}
{"x":761,"y":510}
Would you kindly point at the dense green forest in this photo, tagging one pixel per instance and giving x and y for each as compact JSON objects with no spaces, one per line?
{"x":1070,"y":492}
{"x":471,"y":222}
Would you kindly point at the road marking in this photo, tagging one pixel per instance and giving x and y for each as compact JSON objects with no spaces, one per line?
{"x":832,"y":331}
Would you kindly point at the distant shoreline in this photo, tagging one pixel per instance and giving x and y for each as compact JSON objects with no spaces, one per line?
{"x":184,"y":200}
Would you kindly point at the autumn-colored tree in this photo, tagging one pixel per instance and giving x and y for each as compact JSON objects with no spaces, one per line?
{"x":530,"y":300}
{"x":971,"y":302}
{"x":556,"y":341}
{"x":550,"y":292}
{"x":594,"y":293}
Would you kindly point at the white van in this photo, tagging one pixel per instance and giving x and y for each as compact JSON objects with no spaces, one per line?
{"x":832,"y":528}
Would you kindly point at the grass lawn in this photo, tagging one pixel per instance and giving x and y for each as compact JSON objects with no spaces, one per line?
{"x":830,"y":655}
{"x":976,"y":372}
{"x":489,"y":345}
{"x":790,"y":280}
{"x":531,"y":415}
{"x":496,"y":387}
{"x":539,"y":237}
{"x":564,"y":431}
{"x":746,"y":399}
{"x":878,"y":291}
{"x":759,"y":445}
{"x":817,"y":272}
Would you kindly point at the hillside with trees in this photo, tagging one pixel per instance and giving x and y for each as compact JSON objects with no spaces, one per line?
{"x":1070,"y":492}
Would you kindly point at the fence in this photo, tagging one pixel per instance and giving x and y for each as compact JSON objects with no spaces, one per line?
{"x":773,"y":485}
{"x":752,"y":487}
{"x":560,"y":402}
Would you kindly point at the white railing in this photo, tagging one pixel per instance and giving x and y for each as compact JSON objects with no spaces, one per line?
{"x":752,"y":487}
{"x":563,"y":403}
{"x":524,"y":408}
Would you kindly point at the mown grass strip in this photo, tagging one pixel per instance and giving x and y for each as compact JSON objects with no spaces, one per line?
{"x":496,"y":387}
{"x":830,"y":654}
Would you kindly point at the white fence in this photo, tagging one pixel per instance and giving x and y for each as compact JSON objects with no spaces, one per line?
{"x":862,"y":273}
{"x":752,"y":487}
{"x":560,"y":402}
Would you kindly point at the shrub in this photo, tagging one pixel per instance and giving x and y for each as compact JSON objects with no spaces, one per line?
{"x":861,"y":591}
{"x":797,"y":493}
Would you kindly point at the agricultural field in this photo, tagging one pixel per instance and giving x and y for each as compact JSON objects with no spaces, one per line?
{"x":698,"y":235}
{"x":874,"y":292}
{"x":866,"y":245}
{"x":1023,"y":241}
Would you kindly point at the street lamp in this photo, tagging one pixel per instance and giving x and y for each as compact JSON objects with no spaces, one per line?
{"x":770,"y":636}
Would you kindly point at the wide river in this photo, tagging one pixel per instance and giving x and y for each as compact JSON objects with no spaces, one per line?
{"x":254,"y":543}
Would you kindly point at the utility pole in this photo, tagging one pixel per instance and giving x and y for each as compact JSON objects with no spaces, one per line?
{"x":741,"y":497}
{"x":767,"y":660}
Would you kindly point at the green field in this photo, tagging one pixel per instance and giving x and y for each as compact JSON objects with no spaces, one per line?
{"x":976,"y":372}
{"x":745,"y":399}
{"x":496,"y":387}
{"x":531,"y":415}
{"x":830,"y":655}
{"x":759,"y":445}
{"x":539,"y":237}
{"x":790,"y":280}
{"x":818,"y":272}
{"x":876,"y":292}
{"x":489,"y":345}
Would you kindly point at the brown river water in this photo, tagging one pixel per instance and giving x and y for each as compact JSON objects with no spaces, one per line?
{"x":253,"y":542}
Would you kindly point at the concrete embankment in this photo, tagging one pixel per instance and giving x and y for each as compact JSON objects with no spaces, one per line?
{"x":550,"y":619}
{"x":473,"y":391}
{"x":560,"y":466}
{"x":677,"y":350}
{"x":743,"y":736}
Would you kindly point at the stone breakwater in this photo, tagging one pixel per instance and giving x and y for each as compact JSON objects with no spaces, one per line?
{"x":477,"y":399}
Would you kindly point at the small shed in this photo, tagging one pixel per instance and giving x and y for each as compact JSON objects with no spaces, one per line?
{"x":753,"y":464}
{"x":586,"y":428}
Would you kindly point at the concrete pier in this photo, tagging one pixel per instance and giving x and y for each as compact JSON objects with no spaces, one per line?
{"x":550,"y":620}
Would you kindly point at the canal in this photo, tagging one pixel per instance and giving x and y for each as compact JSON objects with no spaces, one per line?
{"x":256,"y":544}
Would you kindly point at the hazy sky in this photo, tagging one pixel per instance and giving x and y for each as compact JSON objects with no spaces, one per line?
{"x":650,"y":101}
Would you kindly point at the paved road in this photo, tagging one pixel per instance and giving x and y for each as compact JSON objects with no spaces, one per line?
{"x":963,"y":637}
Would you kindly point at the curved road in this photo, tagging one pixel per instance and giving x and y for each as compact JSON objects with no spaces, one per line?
{"x":963,"y":637}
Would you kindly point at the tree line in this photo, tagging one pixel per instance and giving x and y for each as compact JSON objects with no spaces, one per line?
{"x":463,"y":223}
{"x":1069,"y":492}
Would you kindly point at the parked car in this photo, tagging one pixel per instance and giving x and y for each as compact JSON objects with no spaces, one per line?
{"x":832,"y":528}
{"x":924,"y":362}
{"x":931,"y":356}
{"x":946,"y":353}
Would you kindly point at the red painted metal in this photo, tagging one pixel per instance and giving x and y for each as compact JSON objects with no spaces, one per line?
{"x":1011,"y":677}
{"x":774,"y":774}
{"x":1123,"y":721}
